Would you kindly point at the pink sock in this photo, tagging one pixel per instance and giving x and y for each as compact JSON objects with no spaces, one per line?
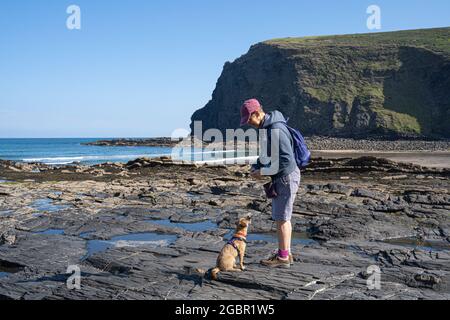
{"x":283,"y":254}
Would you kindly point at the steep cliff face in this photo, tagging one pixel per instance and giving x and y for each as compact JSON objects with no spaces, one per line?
{"x":395,"y":83}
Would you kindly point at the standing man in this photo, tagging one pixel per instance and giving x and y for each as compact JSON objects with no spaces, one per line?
{"x":283,"y":170}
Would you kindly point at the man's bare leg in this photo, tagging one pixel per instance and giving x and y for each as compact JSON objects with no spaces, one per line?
{"x":284,"y":231}
{"x":282,"y":258}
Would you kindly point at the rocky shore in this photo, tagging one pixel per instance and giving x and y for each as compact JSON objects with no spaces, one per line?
{"x":376,"y":144}
{"x":149,"y":142}
{"x":314,"y":143}
{"x":149,"y":229}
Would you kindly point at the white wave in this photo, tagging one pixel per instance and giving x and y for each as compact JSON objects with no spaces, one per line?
{"x":67,"y":160}
{"x":237,"y":160}
{"x":54,"y":163}
{"x":60,"y":160}
{"x":203,"y":152}
{"x":53,"y":159}
{"x":176,"y":153}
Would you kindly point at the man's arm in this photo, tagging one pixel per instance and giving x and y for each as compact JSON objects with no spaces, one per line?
{"x":262,"y":149}
{"x":272,"y":169}
{"x":273,"y":153}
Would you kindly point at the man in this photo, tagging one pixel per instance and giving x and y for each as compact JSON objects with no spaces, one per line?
{"x":283,"y":170}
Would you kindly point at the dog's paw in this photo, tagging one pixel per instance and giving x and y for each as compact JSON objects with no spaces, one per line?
{"x":243,"y":268}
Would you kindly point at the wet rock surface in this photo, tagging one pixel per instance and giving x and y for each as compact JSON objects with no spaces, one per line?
{"x":150,"y":229}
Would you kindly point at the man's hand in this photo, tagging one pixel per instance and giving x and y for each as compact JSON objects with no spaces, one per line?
{"x":256,"y":174}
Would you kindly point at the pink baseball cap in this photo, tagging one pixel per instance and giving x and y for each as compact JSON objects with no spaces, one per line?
{"x":248,"y":108}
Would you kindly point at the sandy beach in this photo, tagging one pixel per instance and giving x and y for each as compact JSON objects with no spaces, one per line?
{"x":436,"y":159}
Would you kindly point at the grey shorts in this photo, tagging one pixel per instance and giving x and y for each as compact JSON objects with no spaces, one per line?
{"x":286,"y":188}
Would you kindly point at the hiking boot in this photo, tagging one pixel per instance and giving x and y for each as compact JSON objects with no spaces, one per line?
{"x":276,"y":262}
{"x":275,"y":252}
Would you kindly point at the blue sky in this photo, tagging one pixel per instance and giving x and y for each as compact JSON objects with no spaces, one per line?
{"x":140,"y":68}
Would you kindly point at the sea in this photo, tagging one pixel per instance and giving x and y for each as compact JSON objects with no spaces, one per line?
{"x":63,"y":151}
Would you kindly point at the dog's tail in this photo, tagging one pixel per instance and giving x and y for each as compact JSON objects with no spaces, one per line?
{"x":212,"y":273}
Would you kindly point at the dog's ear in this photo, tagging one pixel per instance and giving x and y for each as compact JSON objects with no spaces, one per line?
{"x":242,"y":223}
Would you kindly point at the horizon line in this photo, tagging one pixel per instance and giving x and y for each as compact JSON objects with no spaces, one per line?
{"x":119,"y":137}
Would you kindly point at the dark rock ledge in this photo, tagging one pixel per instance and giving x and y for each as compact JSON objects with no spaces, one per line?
{"x":350,"y":214}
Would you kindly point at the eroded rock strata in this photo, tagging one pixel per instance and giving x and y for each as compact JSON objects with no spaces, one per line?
{"x":149,"y":229}
{"x":390,"y":84}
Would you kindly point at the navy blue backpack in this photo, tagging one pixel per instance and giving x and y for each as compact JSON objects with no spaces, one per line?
{"x":301,"y":152}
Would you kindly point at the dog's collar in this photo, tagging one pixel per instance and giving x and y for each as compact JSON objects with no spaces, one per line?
{"x":240,"y":235}
{"x":236,"y":237}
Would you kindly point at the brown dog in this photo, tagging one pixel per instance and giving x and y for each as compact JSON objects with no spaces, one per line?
{"x":226,"y":261}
